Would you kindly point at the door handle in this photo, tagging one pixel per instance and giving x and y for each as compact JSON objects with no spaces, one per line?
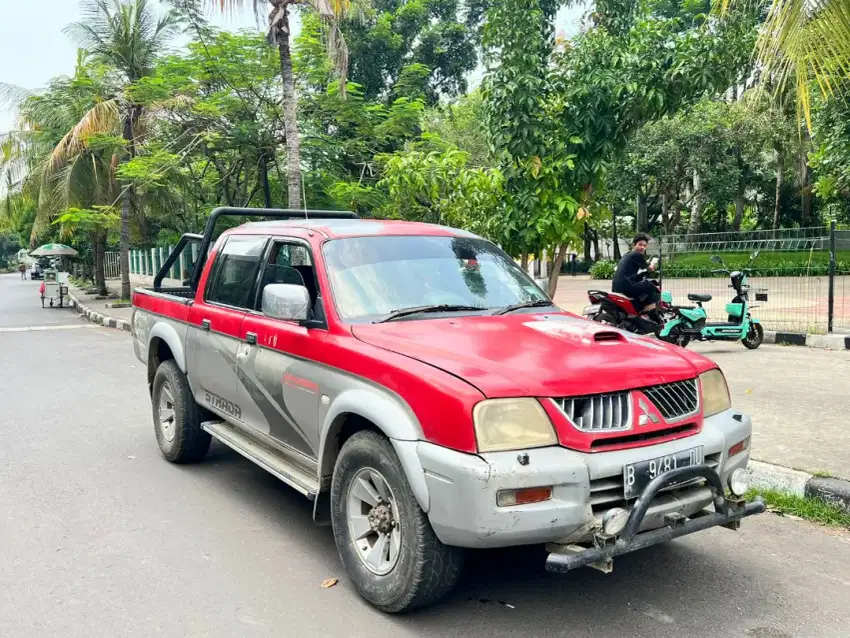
{"x":205,"y":324}
{"x":251,"y":338}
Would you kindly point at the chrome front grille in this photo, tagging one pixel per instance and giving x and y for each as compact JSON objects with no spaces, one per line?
{"x":599,"y":412}
{"x":675,"y":400}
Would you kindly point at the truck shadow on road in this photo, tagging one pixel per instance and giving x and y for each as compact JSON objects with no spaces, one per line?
{"x":665,"y":590}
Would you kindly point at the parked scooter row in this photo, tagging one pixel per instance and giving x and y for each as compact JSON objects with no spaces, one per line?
{"x":682,"y":324}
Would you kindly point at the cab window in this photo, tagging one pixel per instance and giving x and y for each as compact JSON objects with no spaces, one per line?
{"x":235,"y":276}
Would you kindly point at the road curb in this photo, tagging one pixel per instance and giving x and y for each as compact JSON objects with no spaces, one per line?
{"x":796,"y":483}
{"x":97,"y":317}
{"x":824,"y":342}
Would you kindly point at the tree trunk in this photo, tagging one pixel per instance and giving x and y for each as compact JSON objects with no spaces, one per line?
{"x":696,"y":207}
{"x":524,"y":260}
{"x":264,"y":176}
{"x":555,"y":273}
{"x":780,"y":163}
{"x":126,"y":204}
{"x":586,"y":242}
{"x":641,"y":220}
{"x":615,"y":236}
{"x":99,"y":242}
{"x":665,"y":212}
{"x":290,"y":115}
{"x":739,"y":205}
{"x":805,"y":182}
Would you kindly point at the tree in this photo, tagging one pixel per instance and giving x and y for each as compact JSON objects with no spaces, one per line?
{"x":803,"y":40}
{"x":389,"y":35}
{"x":519,"y":37}
{"x":128,"y":36}
{"x":278,"y":34}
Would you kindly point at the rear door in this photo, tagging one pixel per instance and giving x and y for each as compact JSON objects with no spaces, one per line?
{"x":279,"y":387}
{"x":215,"y":324}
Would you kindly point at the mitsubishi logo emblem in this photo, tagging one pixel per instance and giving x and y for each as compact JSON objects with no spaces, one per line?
{"x":646,"y":417}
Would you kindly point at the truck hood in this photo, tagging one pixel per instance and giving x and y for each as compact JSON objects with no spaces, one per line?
{"x":536,"y":355}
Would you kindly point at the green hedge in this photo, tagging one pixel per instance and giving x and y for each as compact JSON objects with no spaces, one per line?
{"x":603,"y":270}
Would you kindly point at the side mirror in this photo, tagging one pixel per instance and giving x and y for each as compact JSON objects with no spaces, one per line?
{"x":286,"y":302}
{"x":716,"y":259}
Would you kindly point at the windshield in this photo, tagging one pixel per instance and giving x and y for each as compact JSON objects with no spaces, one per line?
{"x":375,"y":276}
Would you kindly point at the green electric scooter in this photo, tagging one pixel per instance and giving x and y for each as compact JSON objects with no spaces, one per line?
{"x":688,"y":323}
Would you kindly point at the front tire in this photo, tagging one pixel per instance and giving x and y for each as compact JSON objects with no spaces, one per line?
{"x":176,"y":417}
{"x":384,"y":539}
{"x":754,"y":337}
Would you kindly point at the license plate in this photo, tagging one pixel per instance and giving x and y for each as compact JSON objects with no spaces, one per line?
{"x":638,"y":475}
{"x":591,"y":310}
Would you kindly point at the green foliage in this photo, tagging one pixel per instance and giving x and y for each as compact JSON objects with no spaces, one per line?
{"x":387,"y":38}
{"x":539,"y":210}
{"x":603,"y":270}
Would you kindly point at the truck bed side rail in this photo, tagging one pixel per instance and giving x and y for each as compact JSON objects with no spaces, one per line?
{"x":278,"y":213}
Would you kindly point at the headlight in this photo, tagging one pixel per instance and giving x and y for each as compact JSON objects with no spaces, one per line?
{"x":512,"y":424}
{"x":715,"y":393}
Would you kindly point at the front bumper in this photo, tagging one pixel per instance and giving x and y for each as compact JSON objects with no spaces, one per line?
{"x":462,"y":488}
{"x":569,"y":557}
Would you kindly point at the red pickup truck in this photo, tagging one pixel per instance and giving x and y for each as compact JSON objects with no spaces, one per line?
{"x":418,"y":387}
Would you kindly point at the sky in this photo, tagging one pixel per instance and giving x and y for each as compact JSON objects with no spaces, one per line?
{"x":33,"y":48}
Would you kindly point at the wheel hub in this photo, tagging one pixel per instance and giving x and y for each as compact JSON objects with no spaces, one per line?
{"x":381,"y":518}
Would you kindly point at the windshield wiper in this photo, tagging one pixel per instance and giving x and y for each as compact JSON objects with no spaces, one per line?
{"x":538,"y":303}
{"x":405,"y":312}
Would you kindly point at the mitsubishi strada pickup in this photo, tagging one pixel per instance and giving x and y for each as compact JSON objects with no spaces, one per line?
{"x":428,"y":397}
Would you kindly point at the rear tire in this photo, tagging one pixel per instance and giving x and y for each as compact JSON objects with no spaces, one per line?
{"x":417,"y":569}
{"x":605,"y":317}
{"x":176,"y":417}
{"x":754,"y":337}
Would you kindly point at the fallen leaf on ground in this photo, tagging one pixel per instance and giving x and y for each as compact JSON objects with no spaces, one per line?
{"x":330,"y":582}
{"x":749,"y":391}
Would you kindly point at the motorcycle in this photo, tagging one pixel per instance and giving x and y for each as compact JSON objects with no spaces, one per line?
{"x":691,"y":322}
{"x":619,"y":311}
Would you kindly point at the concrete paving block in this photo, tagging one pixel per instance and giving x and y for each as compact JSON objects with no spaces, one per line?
{"x":831,"y":490}
{"x":776,"y":477}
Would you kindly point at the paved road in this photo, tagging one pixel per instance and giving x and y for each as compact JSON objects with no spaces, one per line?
{"x":101,"y":538}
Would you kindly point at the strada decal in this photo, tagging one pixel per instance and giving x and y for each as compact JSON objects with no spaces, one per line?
{"x":222,"y":405}
{"x":297,"y":382}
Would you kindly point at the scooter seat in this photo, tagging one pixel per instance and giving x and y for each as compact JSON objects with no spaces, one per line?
{"x":694,"y":296}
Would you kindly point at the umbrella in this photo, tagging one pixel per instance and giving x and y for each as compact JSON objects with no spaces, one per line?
{"x":54,"y":250}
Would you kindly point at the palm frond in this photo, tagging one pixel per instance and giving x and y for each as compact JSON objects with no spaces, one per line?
{"x":103,"y":118}
{"x":801,"y":41}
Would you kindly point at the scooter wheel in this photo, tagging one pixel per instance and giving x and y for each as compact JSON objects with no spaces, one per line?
{"x":754,"y":337}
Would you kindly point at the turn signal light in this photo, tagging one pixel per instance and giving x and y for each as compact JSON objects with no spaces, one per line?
{"x":739,"y":447}
{"x":506,"y":498}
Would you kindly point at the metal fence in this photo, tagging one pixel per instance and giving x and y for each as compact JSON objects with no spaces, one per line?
{"x":805,"y":273}
{"x":112,"y":265}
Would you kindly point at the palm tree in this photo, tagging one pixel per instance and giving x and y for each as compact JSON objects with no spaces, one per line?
{"x":48,"y":163}
{"x":128,"y":36}
{"x":278,"y":34}
{"x":803,"y":40}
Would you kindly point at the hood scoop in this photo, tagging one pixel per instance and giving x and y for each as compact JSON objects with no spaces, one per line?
{"x":607,"y":336}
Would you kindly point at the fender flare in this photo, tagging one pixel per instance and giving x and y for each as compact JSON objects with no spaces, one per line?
{"x":668,"y":327}
{"x":169,"y":335}
{"x":392,"y":416}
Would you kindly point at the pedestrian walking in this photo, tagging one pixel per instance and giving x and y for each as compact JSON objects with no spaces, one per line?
{"x":23,"y":269}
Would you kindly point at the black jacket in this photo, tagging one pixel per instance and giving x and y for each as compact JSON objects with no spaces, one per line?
{"x":627,"y":272}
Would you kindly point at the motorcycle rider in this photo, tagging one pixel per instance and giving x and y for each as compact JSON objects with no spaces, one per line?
{"x":630,"y":276}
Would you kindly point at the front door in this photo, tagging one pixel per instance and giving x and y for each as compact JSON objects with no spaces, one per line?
{"x":215,"y":323}
{"x":278,"y":386}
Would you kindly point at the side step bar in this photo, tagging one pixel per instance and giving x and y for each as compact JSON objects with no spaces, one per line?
{"x":267,"y":458}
